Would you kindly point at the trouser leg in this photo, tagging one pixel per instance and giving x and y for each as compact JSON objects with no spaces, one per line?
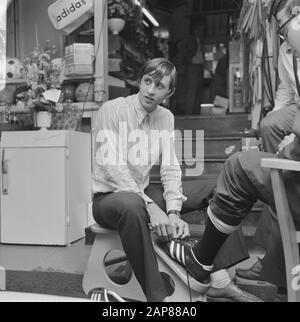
{"x":127,"y":213}
{"x":193,"y":92}
{"x":200,"y":90}
{"x":242,"y":182}
{"x":198,"y":193}
{"x":276,"y":126}
{"x":240,"y":185}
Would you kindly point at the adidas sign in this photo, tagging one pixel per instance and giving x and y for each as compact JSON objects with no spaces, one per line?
{"x":67,"y":15}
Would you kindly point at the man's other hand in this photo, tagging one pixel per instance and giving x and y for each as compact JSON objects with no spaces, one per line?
{"x":179,"y":227}
{"x":159,"y":221}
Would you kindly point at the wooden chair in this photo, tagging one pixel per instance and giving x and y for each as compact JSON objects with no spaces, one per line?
{"x":290,"y":237}
{"x":183,"y":288}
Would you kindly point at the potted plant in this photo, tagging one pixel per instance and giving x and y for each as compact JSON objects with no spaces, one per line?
{"x":117,"y":13}
{"x":42,"y":73}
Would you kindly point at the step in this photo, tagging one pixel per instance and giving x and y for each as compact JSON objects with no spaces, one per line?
{"x":214,"y":147}
{"x":195,"y":167}
{"x":262,"y":289}
{"x":214,"y":124}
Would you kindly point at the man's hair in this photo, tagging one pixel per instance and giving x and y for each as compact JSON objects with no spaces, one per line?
{"x":287,"y":5}
{"x":158,"y":68}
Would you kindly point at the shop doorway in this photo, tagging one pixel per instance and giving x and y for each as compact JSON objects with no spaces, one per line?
{"x":203,"y":68}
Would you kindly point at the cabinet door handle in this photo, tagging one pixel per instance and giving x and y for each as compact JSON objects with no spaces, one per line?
{"x":4,"y":175}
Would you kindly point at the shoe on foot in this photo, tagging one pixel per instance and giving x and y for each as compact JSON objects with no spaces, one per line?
{"x":182,"y":252}
{"x":231,"y":293}
{"x":252,"y":273}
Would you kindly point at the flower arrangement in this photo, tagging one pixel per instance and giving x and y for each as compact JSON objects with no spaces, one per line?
{"x":118,"y":9}
{"x":42,"y":72}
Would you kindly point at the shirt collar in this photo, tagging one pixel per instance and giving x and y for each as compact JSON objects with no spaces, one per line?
{"x":140,"y":111}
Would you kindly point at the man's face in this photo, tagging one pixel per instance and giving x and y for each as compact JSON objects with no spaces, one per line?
{"x":288,"y":27}
{"x":152,"y":93}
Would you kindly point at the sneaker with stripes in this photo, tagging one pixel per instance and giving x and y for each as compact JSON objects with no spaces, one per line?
{"x":182,"y":252}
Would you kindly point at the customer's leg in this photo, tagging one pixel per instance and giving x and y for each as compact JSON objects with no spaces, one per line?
{"x":240,"y":185}
{"x":127,"y":213}
{"x":276,"y":126}
{"x":192,"y":78}
{"x":200,"y":91}
{"x":198,"y":194}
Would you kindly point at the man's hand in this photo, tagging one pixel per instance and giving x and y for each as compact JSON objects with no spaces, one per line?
{"x":180,"y":228}
{"x":159,"y":221}
{"x":287,"y":141}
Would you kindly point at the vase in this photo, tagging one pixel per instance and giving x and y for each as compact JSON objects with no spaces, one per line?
{"x":116,"y":25}
{"x":43,"y":120}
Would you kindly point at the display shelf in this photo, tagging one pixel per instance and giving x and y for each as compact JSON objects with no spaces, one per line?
{"x":89,"y":32}
{"x":12,"y":81}
{"x":87,"y":106}
{"x":78,"y":78}
{"x":211,"y":12}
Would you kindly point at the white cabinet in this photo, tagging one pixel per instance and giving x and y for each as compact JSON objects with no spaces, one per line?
{"x":46,"y":187}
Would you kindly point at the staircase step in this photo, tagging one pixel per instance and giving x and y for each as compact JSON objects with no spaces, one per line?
{"x":214,"y":147}
{"x":196,"y":168}
{"x":155,"y":179}
{"x":264,"y":290}
{"x":214,"y":124}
